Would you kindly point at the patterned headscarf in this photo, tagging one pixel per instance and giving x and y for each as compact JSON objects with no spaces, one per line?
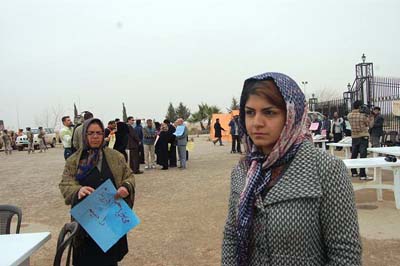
{"x":90,"y":156}
{"x":260,"y":165}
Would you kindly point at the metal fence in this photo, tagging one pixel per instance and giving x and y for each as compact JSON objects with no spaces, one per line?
{"x":383,"y":92}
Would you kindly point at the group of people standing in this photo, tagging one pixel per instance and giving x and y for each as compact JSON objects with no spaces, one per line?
{"x":363,"y":129}
{"x":155,"y":143}
{"x":9,"y":139}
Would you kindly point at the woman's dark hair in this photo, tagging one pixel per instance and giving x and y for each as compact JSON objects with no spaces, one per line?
{"x":267,"y":89}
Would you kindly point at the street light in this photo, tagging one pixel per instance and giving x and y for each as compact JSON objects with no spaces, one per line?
{"x":304,"y":85}
{"x":363,"y":57}
{"x":348,"y":86}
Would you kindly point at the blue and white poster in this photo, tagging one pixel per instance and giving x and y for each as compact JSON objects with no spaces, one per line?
{"x":179,"y":130}
{"x":104,"y":218}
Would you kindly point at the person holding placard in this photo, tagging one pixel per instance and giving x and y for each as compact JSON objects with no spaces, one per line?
{"x":86,"y":170}
{"x":181,"y":134}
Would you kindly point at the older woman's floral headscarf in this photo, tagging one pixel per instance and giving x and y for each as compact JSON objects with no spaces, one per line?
{"x":259,"y":174}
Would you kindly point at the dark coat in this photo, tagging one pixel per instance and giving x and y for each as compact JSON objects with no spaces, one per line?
{"x":377,"y":128}
{"x":308,"y":218}
{"x":162,"y":148}
{"x":218,"y":129}
{"x":121,"y":141}
{"x":133,"y":139}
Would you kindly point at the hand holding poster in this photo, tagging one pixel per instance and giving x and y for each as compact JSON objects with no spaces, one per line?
{"x":103,"y":217}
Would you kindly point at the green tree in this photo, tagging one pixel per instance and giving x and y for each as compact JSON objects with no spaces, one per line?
{"x":204,"y":113}
{"x":213,"y":109}
{"x":234,"y":104}
{"x":171,"y":113}
{"x":200,"y":116}
{"x":124,"y":115}
{"x":182,"y":111}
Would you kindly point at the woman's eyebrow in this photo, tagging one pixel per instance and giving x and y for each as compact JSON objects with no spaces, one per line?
{"x":264,"y":109}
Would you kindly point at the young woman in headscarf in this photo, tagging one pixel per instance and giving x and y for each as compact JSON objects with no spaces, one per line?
{"x":85,"y":171}
{"x":290,"y":203}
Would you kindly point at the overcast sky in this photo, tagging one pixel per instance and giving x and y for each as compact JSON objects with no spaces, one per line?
{"x":148,"y":53}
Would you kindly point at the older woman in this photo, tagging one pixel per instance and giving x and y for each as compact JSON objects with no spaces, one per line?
{"x":85,"y":171}
{"x":162,"y":146}
{"x":290,"y":203}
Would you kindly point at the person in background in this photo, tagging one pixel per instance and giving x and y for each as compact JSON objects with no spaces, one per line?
{"x":326,"y":127}
{"x":158,"y":127}
{"x":7,"y":142}
{"x":359,"y":123}
{"x":41,"y":137}
{"x":109,"y":131}
{"x":31,"y":144}
{"x":234,"y":125}
{"x":84,"y":172}
{"x":77,"y":133}
{"x":376,"y":126}
{"x":139,"y":132}
{"x":20,"y":132}
{"x":172,"y":144}
{"x":218,"y":132}
{"x":149,"y":137}
{"x":162,"y":147}
{"x":337,"y":129}
{"x":346,"y":127}
{"x":66,"y":136}
{"x":133,"y":147}
{"x":319,"y":129}
{"x":290,"y":203}
{"x":121,"y":138}
{"x":181,"y":143}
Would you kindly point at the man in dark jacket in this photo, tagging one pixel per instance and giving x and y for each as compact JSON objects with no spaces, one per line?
{"x":376,"y":126}
{"x":133,"y":147}
{"x":234,"y":125}
{"x":139,"y":132}
{"x":172,"y":144}
{"x":326,"y":127}
{"x":218,"y":132}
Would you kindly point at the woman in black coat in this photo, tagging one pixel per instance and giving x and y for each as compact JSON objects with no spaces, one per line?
{"x":162,"y":147}
{"x":218,"y":132}
{"x":121,"y":141}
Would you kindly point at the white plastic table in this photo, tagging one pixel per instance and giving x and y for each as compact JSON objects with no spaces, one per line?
{"x":16,"y":249}
{"x":395,"y":151}
{"x":346,"y":146}
{"x":378,"y":163}
{"x":323,"y":141}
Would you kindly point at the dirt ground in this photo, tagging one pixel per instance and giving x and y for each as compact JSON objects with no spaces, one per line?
{"x":182,"y":212}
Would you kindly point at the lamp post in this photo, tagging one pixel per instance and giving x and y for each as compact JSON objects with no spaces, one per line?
{"x":304,"y":88}
{"x":348,"y":86}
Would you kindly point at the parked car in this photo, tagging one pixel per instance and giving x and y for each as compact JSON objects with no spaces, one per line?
{"x":50,"y":138}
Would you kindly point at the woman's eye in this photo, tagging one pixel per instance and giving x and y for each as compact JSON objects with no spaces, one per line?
{"x":269,"y":112}
{"x":249,"y":112}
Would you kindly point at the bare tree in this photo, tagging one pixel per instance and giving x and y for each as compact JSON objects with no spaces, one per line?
{"x":50,"y":117}
{"x":327,"y":94}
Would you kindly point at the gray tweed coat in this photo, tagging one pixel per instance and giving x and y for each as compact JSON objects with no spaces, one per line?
{"x":307,"y":218}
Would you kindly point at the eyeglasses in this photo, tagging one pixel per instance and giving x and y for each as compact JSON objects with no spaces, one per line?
{"x":95,"y":133}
